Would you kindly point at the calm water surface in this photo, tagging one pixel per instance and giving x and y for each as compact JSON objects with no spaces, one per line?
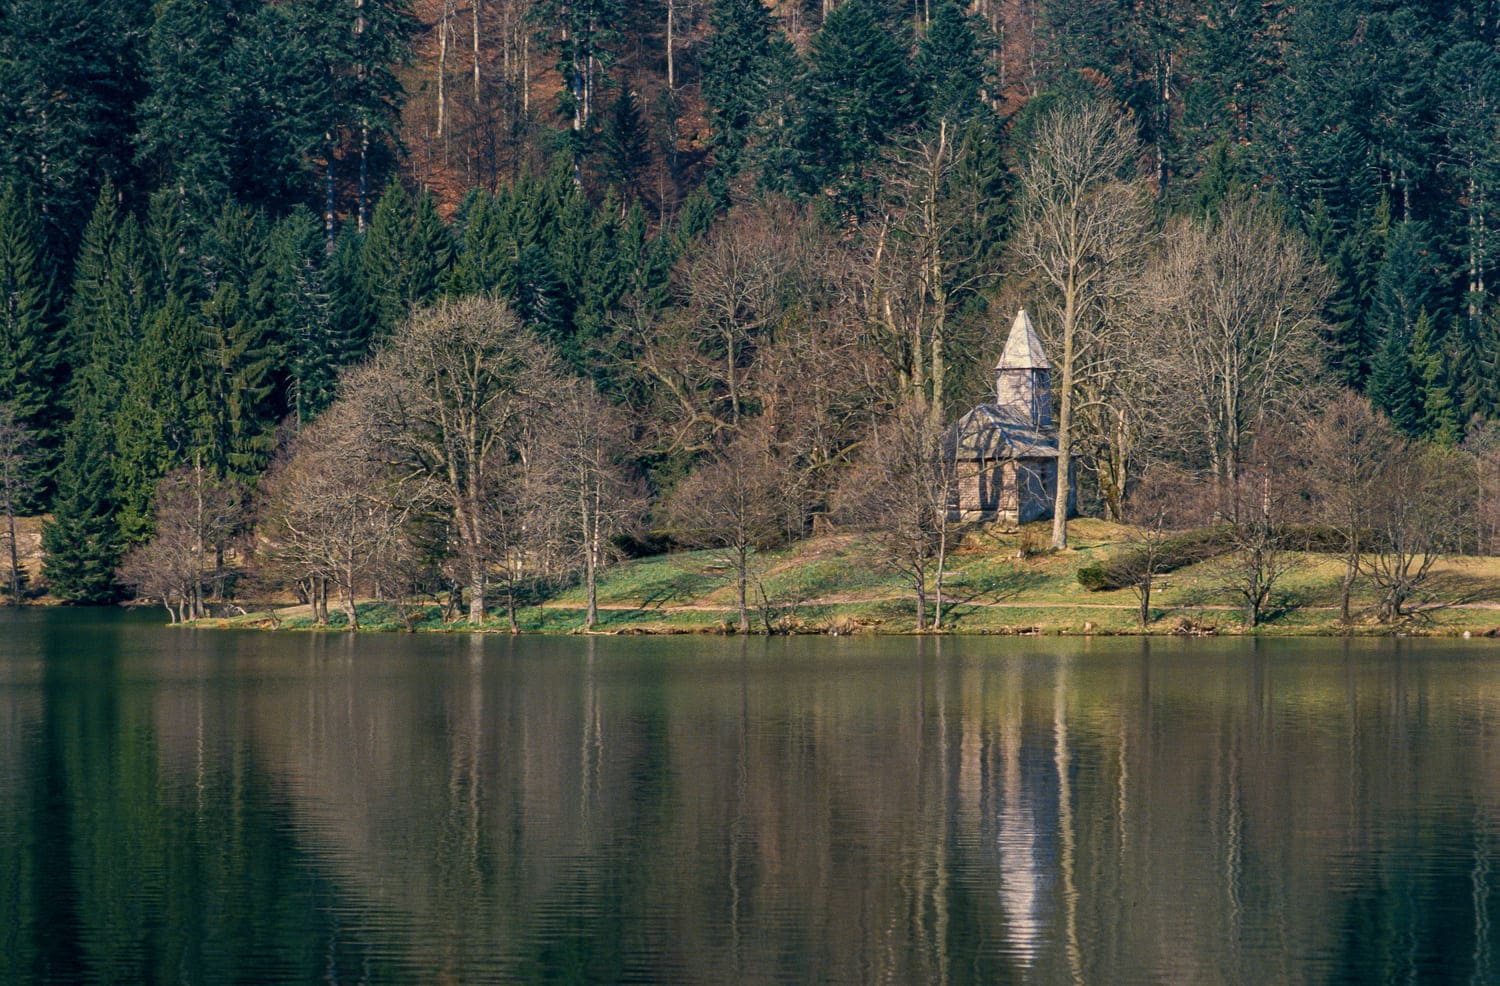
{"x":209,"y":807}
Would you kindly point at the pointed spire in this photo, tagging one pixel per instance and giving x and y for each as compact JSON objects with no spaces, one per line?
{"x":1023,"y":350}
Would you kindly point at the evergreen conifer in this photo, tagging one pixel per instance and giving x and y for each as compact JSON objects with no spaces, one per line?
{"x":81,"y":546}
{"x":28,"y":340}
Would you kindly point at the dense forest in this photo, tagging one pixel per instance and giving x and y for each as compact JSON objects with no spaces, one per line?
{"x":731,"y":266}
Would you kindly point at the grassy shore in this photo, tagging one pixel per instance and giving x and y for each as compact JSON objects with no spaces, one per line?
{"x":995,"y":585}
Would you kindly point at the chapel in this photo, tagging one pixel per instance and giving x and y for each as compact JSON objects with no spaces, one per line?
{"x":1005,"y":453}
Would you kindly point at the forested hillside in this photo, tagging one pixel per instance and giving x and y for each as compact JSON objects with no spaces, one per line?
{"x":765,"y":252}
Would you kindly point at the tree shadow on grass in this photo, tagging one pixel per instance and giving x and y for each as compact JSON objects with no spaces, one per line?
{"x":993,"y":587}
{"x":675,"y":589}
{"x":1462,"y":588}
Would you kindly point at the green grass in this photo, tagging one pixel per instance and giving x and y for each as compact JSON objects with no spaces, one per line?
{"x":993,"y":585}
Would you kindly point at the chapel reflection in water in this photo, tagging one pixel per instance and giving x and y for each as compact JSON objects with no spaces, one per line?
{"x":963,"y":810}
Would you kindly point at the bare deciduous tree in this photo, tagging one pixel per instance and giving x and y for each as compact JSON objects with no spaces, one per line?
{"x":1165,"y":500}
{"x":1421,"y":508}
{"x":902,"y":491}
{"x":1257,"y":506}
{"x":1483,"y":443}
{"x":1083,"y":219}
{"x":450,"y":400}
{"x":196,"y":514}
{"x":1234,"y":303}
{"x":740,"y":502}
{"x":923,"y":258}
{"x":333,"y":512}
{"x":581,"y":457}
{"x":734,"y":291}
{"x":1349,"y":447}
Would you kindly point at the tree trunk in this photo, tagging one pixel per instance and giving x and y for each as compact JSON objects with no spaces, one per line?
{"x":1064,"y":430}
{"x":474,"y":12}
{"x":1351,"y":570}
{"x":442,"y":74}
{"x":671,"y":68}
{"x":15,"y":563}
{"x":591,"y":620}
{"x":590,"y":559}
{"x":328,"y":197}
{"x":744,"y":577}
{"x":349,"y":608}
{"x":942,"y":561}
{"x":199,"y":546}
{"x":936,"y":286}
{"x":1145,"y":601}
{"x":476,"y":593}
{"x":364,"y":174}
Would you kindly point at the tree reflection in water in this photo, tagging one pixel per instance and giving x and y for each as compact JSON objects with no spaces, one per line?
{"x":300,"y":808}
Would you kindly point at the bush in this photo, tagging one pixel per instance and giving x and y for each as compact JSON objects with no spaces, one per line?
{"x":1095,"y":578}
{"x":1178,"y":551}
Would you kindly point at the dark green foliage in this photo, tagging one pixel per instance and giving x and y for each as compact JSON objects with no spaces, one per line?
{"x":70,"y":74}
{"x":405,"y":257}
{"x":1431,"y":358}
{"x":257,"y":99}
{"x":239,"y":383}
{"x":350,"y":317}
{"x":1353,"y":261}
{"x":857,"y":96}
{"x":623,"y":151}
{"x":169,"y":245}
{"x":948,"y":69}
{"x":163,"y":415}
{"x":1076,"y":36}
{"x":1410,"y":281}
{"x":1223,"y":179}
{"x":487,"y":250}
{"x":563,"y":264}
{"x":1469,"y":116}
{"x":1232,"y":58}
{"x":29,"y":348}
{"x":112,"y":296}
{"x":312,"y":345}
{"x":1392,"y":387}
{"x":82,"y":545}
{"x":362,"y":48}
{"x":1177,"y":551}
{"x":282,"y":104}
{"x":187,"y":133}
{"x":744,"y":63}
{"x":584,"y":35}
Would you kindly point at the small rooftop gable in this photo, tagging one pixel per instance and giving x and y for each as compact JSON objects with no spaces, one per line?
{"x":1023,"y":350}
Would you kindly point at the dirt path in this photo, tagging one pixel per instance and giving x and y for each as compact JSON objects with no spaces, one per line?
{"x":948,"y":601}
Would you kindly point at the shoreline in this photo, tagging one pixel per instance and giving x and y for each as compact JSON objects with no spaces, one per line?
{"x":1458,"y":621}
{"x":835,"y":585}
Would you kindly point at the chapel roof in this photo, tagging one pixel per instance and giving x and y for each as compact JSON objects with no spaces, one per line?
{"x":1023,"y":350}
{"x":994,"y":432}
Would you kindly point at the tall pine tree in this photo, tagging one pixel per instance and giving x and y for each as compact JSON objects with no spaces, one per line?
{"x":405,"y":259}
{"x":312,"y":347}
{"x":857,"y":96}
{"x":28,"y":340}
{"x":81,"y":546}
{"x":746,"y":56}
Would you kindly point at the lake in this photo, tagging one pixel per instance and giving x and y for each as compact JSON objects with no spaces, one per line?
{"x":214,"y":806}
